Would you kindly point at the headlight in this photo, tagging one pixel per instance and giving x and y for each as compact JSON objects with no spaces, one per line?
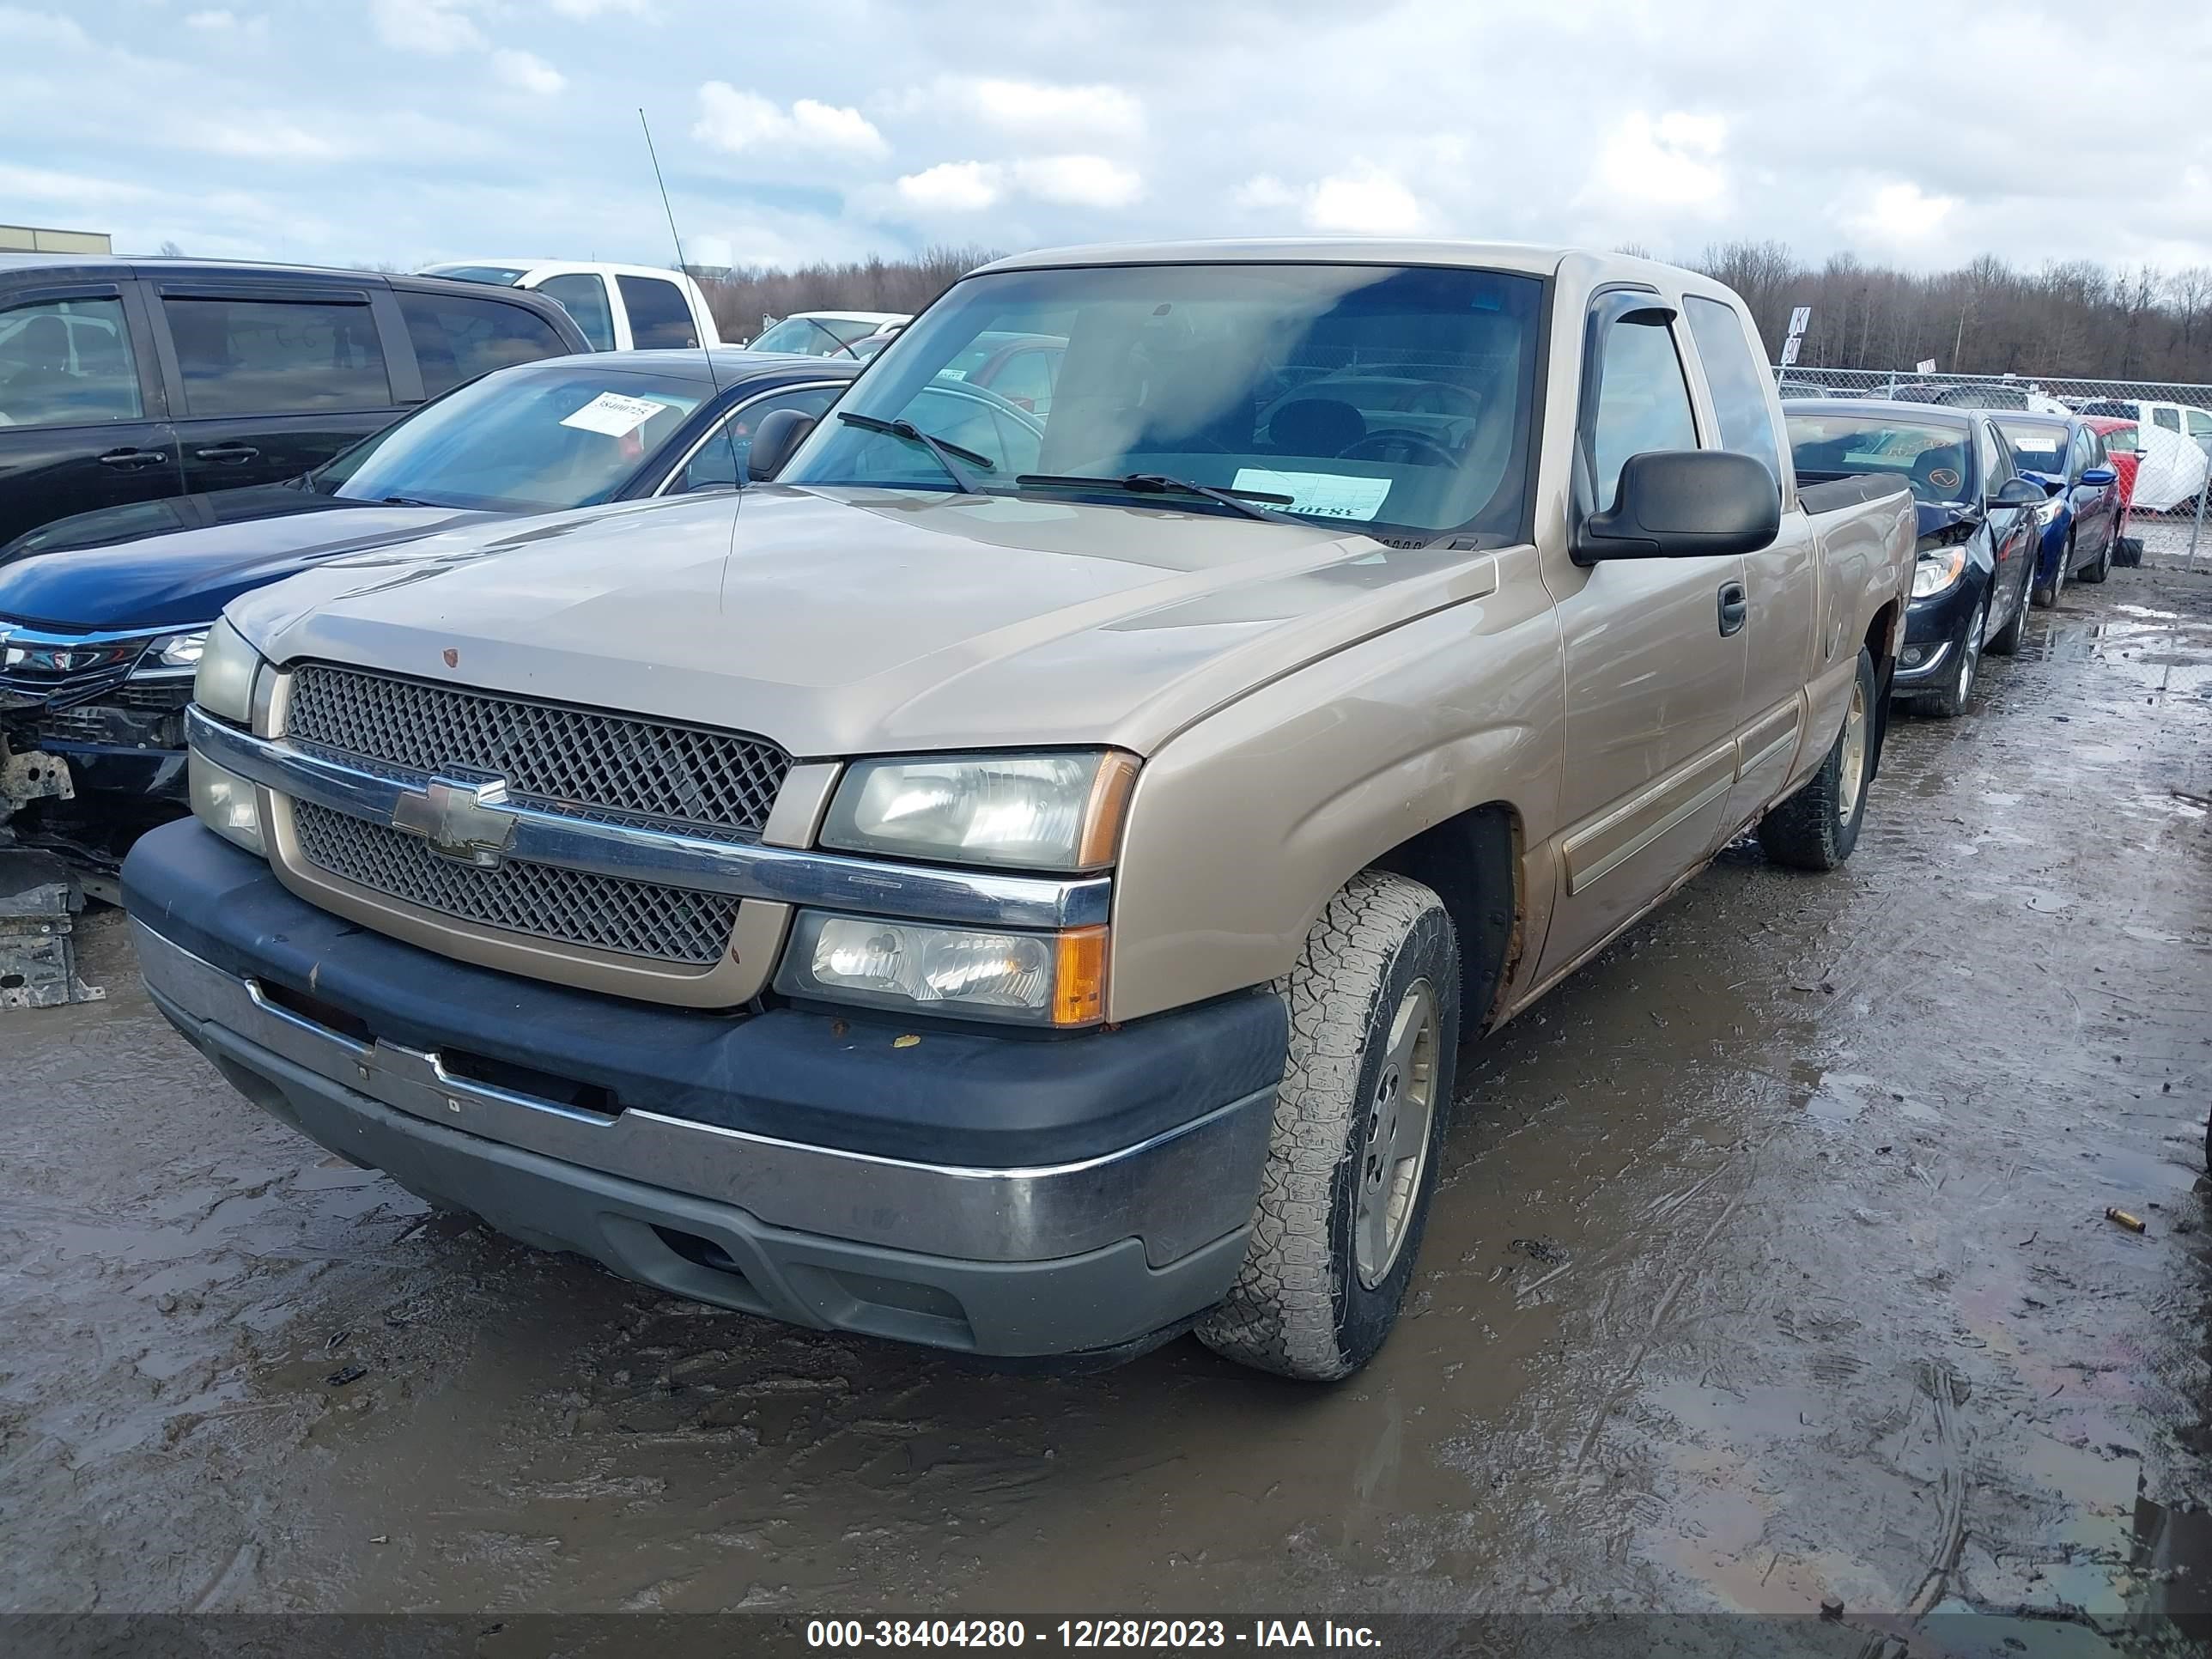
{"x":1938,"y":570}
{"x":2049,"y":510}
{"x":1058,"y":812}
{"x":1038,"y":979}
{"x":175,"y":651}
{"x":224,"y":686}
{"x":227,"y":804}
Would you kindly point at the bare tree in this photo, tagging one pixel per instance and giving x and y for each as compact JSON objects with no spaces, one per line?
{"x":2077,"y":320}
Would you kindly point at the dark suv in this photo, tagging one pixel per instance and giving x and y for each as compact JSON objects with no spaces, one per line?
{"x":127,"y":380}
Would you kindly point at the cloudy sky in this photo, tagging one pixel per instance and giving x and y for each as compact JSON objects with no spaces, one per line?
{"x":409,"y":130}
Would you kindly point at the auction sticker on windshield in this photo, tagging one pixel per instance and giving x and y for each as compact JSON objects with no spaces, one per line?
{"x":615,"y":416}
{"x":1327,"y":494}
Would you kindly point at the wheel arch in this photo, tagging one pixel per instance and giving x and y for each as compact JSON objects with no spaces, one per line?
{"x":1472,"y":861}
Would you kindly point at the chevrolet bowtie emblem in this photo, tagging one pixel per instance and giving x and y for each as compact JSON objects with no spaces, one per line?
{"x":460,"y":820}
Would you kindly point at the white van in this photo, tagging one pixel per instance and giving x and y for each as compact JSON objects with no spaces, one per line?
{"x":619,"y":308}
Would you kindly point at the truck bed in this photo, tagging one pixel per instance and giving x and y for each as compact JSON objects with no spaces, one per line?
{"x":1820,"y":492}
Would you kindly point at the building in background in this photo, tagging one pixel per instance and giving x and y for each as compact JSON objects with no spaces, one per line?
{"x":32,"y":239}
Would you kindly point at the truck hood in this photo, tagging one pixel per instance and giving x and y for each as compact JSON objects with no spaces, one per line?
{"x":851,"y":622}
{"x":102,"y":576}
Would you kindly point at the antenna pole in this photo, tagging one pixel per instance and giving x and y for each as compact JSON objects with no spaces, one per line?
{"x":706,"y":351}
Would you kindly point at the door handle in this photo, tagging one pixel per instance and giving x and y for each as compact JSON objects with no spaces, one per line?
{"x":1736,"y":607}
{"x":128,"y":458}
{"x":227,"y":454}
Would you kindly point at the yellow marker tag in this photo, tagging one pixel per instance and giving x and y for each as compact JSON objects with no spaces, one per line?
{"x":907,"y":1041}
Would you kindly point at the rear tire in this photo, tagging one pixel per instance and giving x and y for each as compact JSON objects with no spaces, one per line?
{"x":2098,"y":570}
{"x":1816,"y":827}
{"x":2128,"y":554}
{"x":1374,"y":1017}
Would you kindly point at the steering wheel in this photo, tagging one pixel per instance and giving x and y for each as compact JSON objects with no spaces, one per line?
{"x":1406,"y":448}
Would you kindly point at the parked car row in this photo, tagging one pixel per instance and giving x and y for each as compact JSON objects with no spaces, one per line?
{"x":2172,"y":441}
{"x":2010,"y":507}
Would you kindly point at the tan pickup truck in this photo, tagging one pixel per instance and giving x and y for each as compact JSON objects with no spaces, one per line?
{"x":1021,"y":881}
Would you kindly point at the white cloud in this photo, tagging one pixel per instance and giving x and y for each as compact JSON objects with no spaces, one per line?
{"x":438,"y":26}
{"x":254,"y":136}
{"x":1365,"y":202}
{"x":588,"y":9}
{"x":1036,"y":107}
{"x":526,"y":72}
{"x":1901,"y":213}
{"x":1670,"y":163}
{"x":1079,"y":180}
{"x":738,"y":121}
{"x":952,"y":187}
{"x":19,"y":27}
{"x":221,"y":20}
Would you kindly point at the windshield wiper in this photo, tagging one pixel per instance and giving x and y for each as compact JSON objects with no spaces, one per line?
{"x":407,"y":500}
{"x":1249,"y":502}
{"x":949,"y":455}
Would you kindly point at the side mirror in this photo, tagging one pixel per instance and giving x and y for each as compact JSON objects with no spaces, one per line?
{"x":2017,"y":491}
{"x":1684,"y":504}
{"x":775,"y":440}
{"x":2100,"y":476}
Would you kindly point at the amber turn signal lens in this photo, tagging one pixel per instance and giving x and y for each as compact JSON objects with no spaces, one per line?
{"x":1078,"y":991}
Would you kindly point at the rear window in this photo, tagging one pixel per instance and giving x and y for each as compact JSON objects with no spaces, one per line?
{"x":457,"y":337}
{"x":276,"y":356}
{"x":1735,"y":379}
{"x":658,"y":314}
{"x":2121,"y":440}
{"x":2038,"y":448}
{"x":1929,"y":456}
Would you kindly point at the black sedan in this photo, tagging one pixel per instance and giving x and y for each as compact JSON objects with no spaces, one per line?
{"x":102,"y":615}
{"x":1978,"y":531}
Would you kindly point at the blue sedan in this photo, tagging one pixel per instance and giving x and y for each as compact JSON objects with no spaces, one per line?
{"x":2081,"y":513}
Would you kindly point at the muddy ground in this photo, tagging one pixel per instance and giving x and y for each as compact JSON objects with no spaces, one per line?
{"x":1770,"y":1265}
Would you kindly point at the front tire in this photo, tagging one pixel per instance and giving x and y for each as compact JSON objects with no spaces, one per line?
{"x":1816,"y":827}
{"x":1351,"y":1165}
{"x":2047,"y":596}
{"x":1951,"y":700}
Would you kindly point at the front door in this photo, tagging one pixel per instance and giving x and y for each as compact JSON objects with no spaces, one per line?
{"x":1654,"y":663}
{"x":83,"y":420}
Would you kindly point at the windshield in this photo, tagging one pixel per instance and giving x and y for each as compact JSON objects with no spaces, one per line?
{"x":1396,"y":398}
{"x":1931,"y":457}
{"x":519,"y":439}
{"x":2036,"y":448}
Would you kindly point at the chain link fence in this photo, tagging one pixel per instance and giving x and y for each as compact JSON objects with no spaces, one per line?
{"x":2172,"y":440}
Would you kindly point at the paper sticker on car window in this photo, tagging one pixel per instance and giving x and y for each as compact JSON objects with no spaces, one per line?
{"x":1942,"y":478}
{"x":614,"y":414}
{"x":1327,"y":494}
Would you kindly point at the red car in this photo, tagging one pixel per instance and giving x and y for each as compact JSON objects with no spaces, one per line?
{"x":2120,"y":449}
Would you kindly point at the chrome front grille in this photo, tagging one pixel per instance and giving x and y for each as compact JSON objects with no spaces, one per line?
{"x":569,"y":907}
{"x":570,"y":759}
